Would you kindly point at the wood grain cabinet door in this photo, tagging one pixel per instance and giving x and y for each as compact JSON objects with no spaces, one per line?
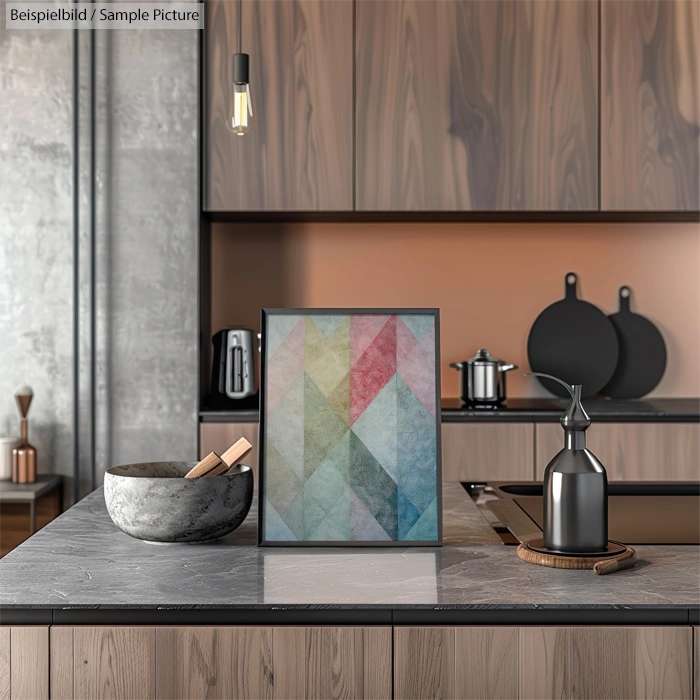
{"x":631,"y":663}
{"x":650,"y":105}
{"x":103,"y":663}
{"x":487,"y":451}
{"x":229,"y":663}
{"x":632,"y":451}
{"x":24,"y":663}
{"x":476,"y":663}
{"x":280,"y":663}
{"x":298,"y":154}
{"x":476,"y":105}
{"x":543,"y":663}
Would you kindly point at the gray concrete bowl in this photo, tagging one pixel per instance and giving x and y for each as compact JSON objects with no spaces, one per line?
{"x":151,"y":501}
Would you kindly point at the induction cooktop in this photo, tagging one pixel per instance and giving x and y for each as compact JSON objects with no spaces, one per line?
{"x":638,"y":512}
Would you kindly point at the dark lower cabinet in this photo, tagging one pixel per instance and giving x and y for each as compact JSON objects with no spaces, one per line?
{"x":476,"y":105}
{"x":650,"y":105}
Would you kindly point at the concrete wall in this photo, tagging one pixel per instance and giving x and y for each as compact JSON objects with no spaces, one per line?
{"x":35,"y":237}
{"x":148,"y":211}
{"x":147,"y":215}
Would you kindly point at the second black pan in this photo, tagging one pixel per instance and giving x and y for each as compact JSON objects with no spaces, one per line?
{"x":575,"y":341}
{"x":642,"y":360}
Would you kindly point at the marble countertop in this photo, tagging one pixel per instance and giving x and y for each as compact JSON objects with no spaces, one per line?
{"x":82,"y":561}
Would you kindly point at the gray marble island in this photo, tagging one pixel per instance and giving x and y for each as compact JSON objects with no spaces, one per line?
{"x":81,"y":569}
{"x":89,"y":612}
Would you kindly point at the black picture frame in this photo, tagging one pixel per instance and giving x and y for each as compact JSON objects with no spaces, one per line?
{"x":264,"y":314}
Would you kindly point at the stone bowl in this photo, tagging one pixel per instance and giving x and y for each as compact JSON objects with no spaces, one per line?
{"x":151,"y":501}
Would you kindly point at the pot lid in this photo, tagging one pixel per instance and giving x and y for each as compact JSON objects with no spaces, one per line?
{"x":484,"y":357}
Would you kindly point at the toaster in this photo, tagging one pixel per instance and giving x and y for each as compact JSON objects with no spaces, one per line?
{"x":233,"y":368}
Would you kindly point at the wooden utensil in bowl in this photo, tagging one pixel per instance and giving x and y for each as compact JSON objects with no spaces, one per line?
{"x":213,"y":465}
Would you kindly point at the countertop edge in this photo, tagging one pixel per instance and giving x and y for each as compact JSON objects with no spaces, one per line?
{"x":681,"y":410}
{"x":477,"y":614}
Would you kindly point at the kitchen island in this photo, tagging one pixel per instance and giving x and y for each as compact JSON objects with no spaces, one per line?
{"x":89,"y":588}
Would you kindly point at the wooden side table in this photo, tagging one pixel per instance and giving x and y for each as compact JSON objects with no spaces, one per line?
{"x":30,"y":493}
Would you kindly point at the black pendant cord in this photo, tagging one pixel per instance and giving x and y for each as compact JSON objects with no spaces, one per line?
{"x":93,"y":259}
{"x":240,"y":26}
{"x":76,"y":265}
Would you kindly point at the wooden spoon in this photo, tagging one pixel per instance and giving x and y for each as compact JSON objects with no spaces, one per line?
{"x":213,"y":465}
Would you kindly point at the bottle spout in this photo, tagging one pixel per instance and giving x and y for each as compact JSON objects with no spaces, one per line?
{"x":575,"y":417}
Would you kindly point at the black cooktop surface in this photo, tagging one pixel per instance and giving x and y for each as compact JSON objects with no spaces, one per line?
{"x":638,"y":513}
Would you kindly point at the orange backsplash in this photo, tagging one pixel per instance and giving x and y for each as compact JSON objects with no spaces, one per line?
{"x":490,"y":281}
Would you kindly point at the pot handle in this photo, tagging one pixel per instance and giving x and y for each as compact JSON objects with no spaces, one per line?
{"x":506,"y":368}
{"x":457,"y":365}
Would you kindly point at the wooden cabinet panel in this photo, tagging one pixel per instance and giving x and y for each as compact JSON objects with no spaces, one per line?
{"x":487,"y":451}
{"x":290,"y":663}
{"x":620,"y":663}
{"x":486,"y":663}
{"x":632,"y":451}
{"x":218,"y":437}
{"x":213,"y":662}
{"x":696,"y":663}
{"x":476,"y":105}
{"x":641,"y":663}
{"x":544,"y":661}
{"x":26,"y":676}
{"x":114,"y":663}
{"x":650,"y":105}
{"x":456,"y":662}
{"x":5,"y":687}
{"x":248,"y":663}
{"x":347,"y":662}
{"x":424,"y":663}
{"x":61,"y":663}
{"x":24,"y":663}
{"x":298,"y":154}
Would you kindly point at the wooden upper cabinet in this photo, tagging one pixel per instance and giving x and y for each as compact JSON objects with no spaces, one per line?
{"x":650,"y":105}
{"x":476,"y":105}
{"x":298,"y":155}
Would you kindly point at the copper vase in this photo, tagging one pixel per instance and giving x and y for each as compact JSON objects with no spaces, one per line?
{"x":23,"y":455}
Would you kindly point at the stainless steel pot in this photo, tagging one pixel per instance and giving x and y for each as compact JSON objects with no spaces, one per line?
{"x":483,"y":378}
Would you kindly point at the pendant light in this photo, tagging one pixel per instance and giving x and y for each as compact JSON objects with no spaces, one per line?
{"x":240,"y":114}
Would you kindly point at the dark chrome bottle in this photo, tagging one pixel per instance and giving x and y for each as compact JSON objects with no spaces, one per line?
{"x":575,"y":487}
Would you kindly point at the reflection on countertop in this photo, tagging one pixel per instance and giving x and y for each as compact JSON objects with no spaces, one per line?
{"x":407,"y":578}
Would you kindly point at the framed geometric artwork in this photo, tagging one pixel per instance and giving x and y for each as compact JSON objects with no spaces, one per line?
{"x":350,"y":428}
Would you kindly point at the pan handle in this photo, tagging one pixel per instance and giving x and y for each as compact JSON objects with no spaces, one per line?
{"x":570,"y":280}
{"x":569,"y":388}
{"x":624,"y":295}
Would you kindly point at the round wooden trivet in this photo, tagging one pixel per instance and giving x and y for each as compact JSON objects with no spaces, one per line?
{"x":600,"y":564}
{"x":612,"y":549}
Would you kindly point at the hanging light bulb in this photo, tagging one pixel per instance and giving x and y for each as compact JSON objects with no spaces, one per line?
{"x":241,"y":112}
{"x":240,"y":115}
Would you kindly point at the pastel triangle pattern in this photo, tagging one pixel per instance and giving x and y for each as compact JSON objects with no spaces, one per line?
{"x":350,"y":431}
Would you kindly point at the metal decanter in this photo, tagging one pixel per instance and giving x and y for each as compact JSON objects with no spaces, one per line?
{"x":575,"y":486}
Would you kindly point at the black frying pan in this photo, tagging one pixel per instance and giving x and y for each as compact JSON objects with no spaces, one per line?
{"x":575,"y":341}
{"x":642,"y":360}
